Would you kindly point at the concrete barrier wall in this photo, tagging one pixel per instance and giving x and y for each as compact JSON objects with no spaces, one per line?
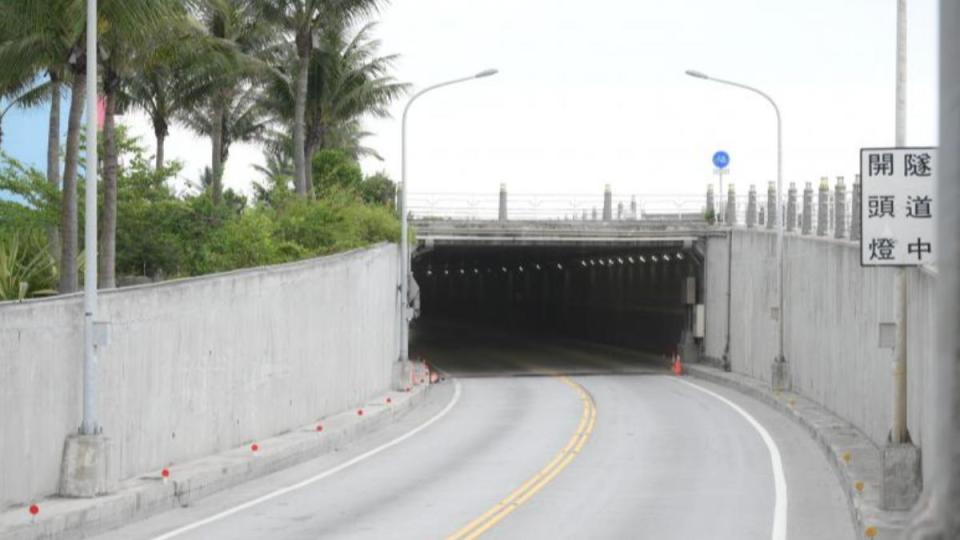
{"x":833,"y":309}
{"x":195,"y":366}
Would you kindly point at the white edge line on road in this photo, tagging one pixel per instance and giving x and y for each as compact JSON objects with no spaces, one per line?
{"x":779,"y":479}
{"x":318,"y":477}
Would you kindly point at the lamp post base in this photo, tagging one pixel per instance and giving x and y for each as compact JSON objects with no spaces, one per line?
{"x":780,"y":375}
{"x":86,"y":470}
{"x":902,"y":481}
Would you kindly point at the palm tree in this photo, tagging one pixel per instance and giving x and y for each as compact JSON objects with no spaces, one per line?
{"x":236,"y":26}
{"x":303,"y":19}
{"x":131,"y":30}
{"x":242,"y":117}
{"x":347,"y":81}
{"x":174,"y":78}
{"x":34,"y":43}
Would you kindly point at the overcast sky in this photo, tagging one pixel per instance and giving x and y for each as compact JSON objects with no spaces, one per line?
{"x":594,"y":93}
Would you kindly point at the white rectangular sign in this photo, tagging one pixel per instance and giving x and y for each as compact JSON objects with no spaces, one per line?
{"x":898,"y":206}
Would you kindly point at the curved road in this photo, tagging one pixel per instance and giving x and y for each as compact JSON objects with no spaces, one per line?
{"x":615,"y":448}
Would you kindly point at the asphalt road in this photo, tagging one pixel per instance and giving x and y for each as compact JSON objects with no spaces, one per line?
{"x":548,"y":440}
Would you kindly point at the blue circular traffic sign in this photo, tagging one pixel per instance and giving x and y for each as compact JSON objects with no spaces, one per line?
{"x":721,"y":159}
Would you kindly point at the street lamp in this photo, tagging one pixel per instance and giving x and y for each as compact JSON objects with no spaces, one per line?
{"x":404,"y":188}
{"x":90,"y":425}
{"x":780,"y":379}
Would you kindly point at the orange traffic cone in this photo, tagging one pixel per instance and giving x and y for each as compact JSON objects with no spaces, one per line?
{"x":677,"y":365}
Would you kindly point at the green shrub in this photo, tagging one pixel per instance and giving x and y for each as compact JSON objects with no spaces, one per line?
{"x":26,"y":267}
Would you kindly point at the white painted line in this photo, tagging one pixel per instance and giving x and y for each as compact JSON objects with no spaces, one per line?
{"x":318,"y":477}
{"x":779,"y":479}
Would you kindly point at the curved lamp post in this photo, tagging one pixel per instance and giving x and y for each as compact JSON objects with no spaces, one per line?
{"x":780,"y":359}
{"x":404,"y":188}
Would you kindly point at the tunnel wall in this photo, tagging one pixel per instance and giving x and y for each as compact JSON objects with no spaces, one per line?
{"x":833,"y":310}
{"x":195,"y":366}
{"x":632,"y":305}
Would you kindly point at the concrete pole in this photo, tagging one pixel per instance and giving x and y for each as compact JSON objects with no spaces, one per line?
{"x":90,"y":425}
{"x":711,"y":204}
{"x":620,"y":210}
{"x":584,"y":216}
{"x":730,"y":215}
{"x":792,"y":207}
{"x":752,"y":206}
{"x":593,"y":214}
{"x":938,"y":518}
{"x":823,"y":207}
{"x":502,"y":213}
{"x":855,"y":210}
{"x":840,"y":209}
{"x":607,"y":203}
{"x":901,"y":482}
{"x":633,"y":206}
{"x":771,"y":205}
{"x":807,"y":223}
{"x":899,"y":434}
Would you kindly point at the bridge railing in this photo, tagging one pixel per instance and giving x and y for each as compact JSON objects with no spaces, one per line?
{"x":565,"y":206}
{"x":829,"y":211}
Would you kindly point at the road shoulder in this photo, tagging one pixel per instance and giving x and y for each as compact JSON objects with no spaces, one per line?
{"x":152,"y":493}
{"x":854,"y":458}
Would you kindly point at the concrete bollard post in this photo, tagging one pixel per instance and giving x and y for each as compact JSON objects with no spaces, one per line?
{"x":807,"y":224}
{"x":823,"y":211}
{"x":633,"y":207}
{"x":752,"y":206}
{"x":855,"y":209}
{"x":607,"y":203}
{"x":792,"y":207}
{"x":503,"y":202}
{"x":593,"y":214}
{"x":730,"y":214}
{"x":620,"y":210}
{"x":761,"y":216}
{"x":840,"y":209}
{"x":711,"y":204}
{"x":771,"y":205}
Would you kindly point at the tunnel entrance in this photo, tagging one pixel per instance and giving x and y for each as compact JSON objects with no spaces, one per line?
{"x":636,"y":297}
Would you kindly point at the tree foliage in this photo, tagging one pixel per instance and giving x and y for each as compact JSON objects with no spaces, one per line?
{"x":297,"y":76}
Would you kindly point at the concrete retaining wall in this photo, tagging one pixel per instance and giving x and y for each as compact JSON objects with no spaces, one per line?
{"x":833,"y":309}
{"x":195,"y":366}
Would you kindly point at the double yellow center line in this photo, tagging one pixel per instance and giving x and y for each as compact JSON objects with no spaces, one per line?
{"x":543,"y":477}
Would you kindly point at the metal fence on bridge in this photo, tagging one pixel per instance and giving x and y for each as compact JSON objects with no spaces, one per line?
{"x":568,"y":206}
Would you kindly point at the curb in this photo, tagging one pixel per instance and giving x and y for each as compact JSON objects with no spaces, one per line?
{"x":855,"y":459}
{"x":140,"y":497}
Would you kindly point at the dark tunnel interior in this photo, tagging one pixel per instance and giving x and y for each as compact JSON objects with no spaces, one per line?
{"x":633,"y":297}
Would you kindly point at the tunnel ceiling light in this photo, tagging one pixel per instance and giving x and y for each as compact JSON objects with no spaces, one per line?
{"x":462,"y":271}
{"x":559,"y":266}
{"x":520,"y":268}
{"x":475,"y":271}
{"x":610,"y":262}
{"x":429,"y":273}
{"x":602,"y":262}
{"x":504,"y":268}
{"x":446,"y":272}
{"x":666,"y":257}
{"x":583,"y":263}
{"x":680,"y":256}
{"x":537,"y":266}
{"x":641,"y":259}
{"x":593,"y":262}
{"x":654,"y":258}
{"x":620,"y":260}
{"x":630,"y":259}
